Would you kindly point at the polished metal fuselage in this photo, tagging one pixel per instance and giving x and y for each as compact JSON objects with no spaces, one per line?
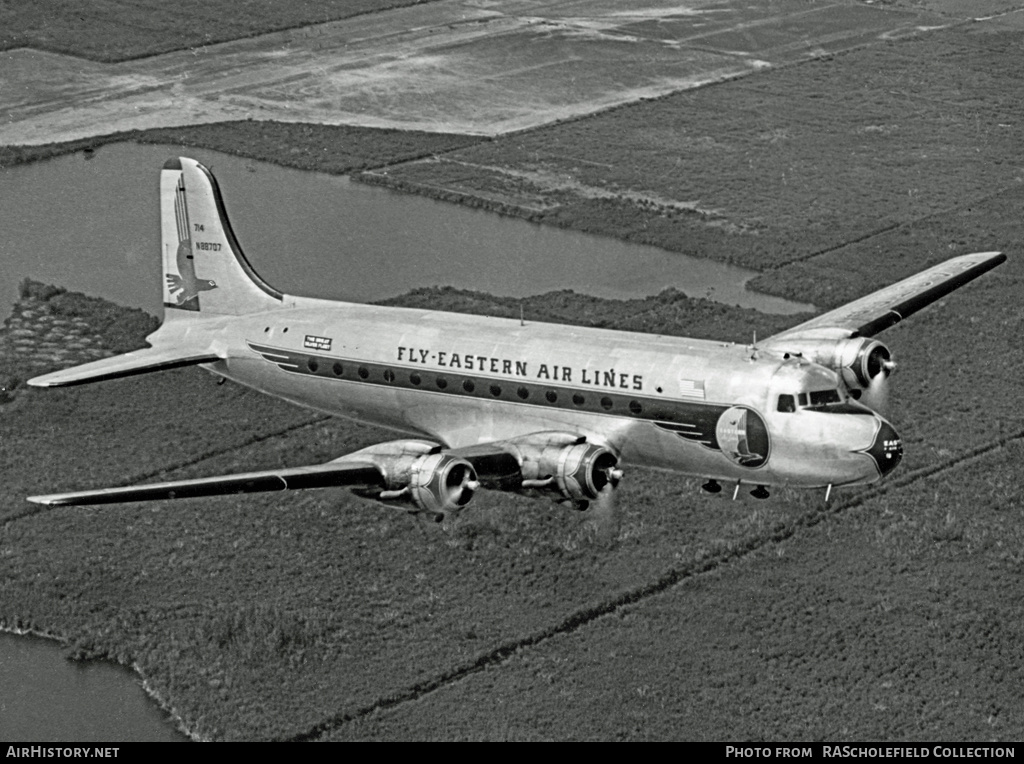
{"x":701,"y":408}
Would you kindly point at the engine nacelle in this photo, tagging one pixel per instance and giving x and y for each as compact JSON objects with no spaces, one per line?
{"x":418,"y":475}
{"x":568,"y":466}
{"x":859,"y":361}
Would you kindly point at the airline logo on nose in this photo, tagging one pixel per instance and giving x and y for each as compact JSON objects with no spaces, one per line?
{"x":743,"y":437}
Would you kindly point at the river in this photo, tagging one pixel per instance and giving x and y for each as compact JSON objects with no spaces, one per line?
{"x":93,"y":226}
{"x":44,"y":698}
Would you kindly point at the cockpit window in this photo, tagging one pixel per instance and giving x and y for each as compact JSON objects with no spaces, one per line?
{"x":824,"y":397}
{"x":788,"y":403}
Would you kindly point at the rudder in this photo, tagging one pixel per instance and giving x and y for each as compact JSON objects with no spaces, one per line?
{"x":204,"y":269}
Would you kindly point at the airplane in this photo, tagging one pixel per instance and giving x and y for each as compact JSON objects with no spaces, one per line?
{"x":512,"y":405}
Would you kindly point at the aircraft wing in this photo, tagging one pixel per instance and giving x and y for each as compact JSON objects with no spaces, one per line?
{"x":414,"y":474}
{"x":878,"y":311}
{"x":338,"y":473}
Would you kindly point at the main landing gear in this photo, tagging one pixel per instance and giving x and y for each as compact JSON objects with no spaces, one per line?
{"x":713,"y":486}
{"x":760,"y":492}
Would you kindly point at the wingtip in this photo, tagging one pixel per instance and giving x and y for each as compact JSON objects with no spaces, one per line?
{"x":46,"y":501}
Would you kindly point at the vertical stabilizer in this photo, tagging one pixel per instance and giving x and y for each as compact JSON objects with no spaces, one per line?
{"x":204,"y":269}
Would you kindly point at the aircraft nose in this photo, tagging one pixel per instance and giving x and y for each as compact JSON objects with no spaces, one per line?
{"x":886,"y":449}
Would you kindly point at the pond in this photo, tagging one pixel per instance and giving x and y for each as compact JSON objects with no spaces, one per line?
{"x":92,"y":226}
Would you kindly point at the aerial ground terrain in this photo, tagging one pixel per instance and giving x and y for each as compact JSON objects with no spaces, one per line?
{"x":833,"y":146}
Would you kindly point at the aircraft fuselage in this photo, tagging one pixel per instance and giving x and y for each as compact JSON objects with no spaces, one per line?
{"x":704,"y":408}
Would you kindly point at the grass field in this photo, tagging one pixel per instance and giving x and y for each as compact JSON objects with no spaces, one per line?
{"x":118,"y":30}
{"x":894,"y":615}
{"x":774,"y":169}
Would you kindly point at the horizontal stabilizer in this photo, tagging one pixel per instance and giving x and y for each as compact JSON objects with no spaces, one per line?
{"x":339,"y":473}
{"x":127,"y":365}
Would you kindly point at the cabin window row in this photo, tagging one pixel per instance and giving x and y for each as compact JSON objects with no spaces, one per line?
{"x":494,"y":390}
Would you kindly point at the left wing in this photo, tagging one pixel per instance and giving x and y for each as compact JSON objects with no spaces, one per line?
{"x":418,"y":475}
{"x":878,"y":311}
{"x":315,"y":476}
{"x":414,"y":474}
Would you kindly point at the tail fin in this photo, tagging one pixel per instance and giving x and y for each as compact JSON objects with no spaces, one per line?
{"x":204,"y":269}
{"x":204,"y":274}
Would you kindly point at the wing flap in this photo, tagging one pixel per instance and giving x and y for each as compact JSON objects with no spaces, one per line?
{"x":878,"y":311}
{"x":337,"y":473}
{"x":127,"y":365}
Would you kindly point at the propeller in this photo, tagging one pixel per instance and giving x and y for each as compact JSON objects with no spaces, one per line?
{"x":605,"y":516}
{"x":876,"y":395}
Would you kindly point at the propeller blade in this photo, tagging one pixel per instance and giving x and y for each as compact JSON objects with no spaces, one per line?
{"x":605,"y":515}
{"x":876,"y":396}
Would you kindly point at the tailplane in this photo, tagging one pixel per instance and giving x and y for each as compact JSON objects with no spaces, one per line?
{"x":204,"y":269}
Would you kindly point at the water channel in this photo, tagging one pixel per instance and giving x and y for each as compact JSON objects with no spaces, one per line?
{"x":92,"y":226}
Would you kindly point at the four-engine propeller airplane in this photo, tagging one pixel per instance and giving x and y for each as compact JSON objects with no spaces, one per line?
{"x":496,"y":403}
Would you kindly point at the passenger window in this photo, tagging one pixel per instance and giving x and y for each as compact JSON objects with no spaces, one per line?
{"x":787,"y":404}
{"x":803,"y":399}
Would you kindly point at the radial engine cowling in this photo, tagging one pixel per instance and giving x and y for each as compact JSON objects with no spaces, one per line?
{"x":575,"y":470}
{"x":418,"y":475}
{"x":859,"y":361}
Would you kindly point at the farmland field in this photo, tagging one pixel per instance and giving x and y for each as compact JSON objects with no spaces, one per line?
{"x":894,"y":614}
{"x":118,"y":30}
{"x":775,"y":170}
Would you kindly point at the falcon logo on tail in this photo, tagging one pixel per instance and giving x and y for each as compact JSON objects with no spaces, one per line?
{"x":183,"y":286}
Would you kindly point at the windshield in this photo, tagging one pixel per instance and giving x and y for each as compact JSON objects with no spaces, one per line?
{"x":824,"y":397}
{"x":810,"y":400}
